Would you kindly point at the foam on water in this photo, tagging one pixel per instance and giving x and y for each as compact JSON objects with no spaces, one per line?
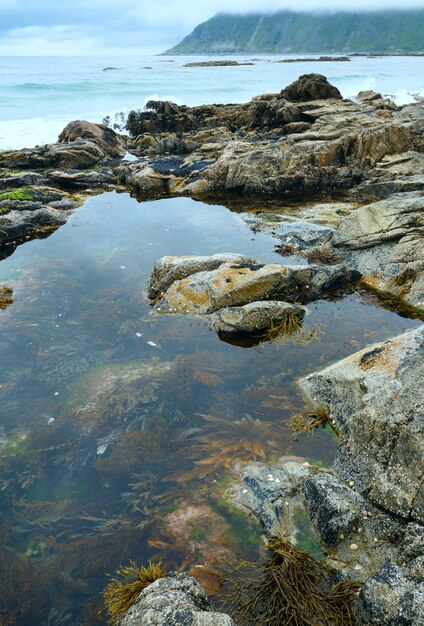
{"x":40,"y":95}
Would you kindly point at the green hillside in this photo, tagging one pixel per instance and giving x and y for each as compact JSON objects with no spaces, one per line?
{"x":287,"y":32}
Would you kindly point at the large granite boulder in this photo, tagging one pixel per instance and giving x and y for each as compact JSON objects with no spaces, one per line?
{"x":177,"y":600}
{"x":310,"y":87}
{"x":376,"y":398}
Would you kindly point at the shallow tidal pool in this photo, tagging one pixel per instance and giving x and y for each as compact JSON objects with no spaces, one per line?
{"x":121,"y":431}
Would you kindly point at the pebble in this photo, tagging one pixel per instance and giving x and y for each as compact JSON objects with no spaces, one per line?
{"x":358,"y":566}
{"x":354,"y":546}
{"x":341,"y":536}
{"x":244,"y":491}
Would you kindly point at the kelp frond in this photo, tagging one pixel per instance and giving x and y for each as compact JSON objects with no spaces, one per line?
{"x":289,"y":588}
{"x":123,"y":590}
{"x":312,"y":418}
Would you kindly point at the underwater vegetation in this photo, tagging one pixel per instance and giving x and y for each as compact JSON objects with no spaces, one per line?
{"x":290,"y":588}
{"x":6,"y":297}
{"x":310,"y":419}
{"x":227,"y":441}
{"x":123,"y":590}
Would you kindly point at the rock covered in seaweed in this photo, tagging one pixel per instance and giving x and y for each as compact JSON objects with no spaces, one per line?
{"x":176,"y":599}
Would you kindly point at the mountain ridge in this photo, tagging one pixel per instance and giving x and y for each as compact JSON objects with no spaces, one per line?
{"x":379,"y":32}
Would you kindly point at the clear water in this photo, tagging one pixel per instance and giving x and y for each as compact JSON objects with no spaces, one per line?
{"x":40,"y":95}
{"x":103,"y":461}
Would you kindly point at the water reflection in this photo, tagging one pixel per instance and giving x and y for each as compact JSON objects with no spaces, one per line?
{"x":120,"y":430}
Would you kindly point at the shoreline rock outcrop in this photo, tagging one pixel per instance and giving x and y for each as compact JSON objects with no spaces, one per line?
{"x":366,"y":513}
{"x":299,"y":144}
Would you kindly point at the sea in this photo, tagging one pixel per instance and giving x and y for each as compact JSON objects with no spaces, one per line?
{"x":40,"y":95}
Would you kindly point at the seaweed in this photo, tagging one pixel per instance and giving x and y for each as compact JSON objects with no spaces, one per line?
{"x":290,"y":588}
{"x":312,"y":418}
{"x":123,"y":590}
{"x":6,"y":297}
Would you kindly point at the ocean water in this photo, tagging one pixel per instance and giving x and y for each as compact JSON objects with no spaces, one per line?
{"x":40,"y":95}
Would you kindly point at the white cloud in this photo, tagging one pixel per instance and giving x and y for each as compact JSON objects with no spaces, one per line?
{"x":94,"y":26}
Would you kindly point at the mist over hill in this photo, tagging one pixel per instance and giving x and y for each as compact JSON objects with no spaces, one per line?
{"x":290,"y":32}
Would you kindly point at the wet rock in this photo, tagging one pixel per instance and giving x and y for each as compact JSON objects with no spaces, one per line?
{"x":253,"y":317}
{"x":376,"y":399}
{"x":304,"y":235}
{"x":273,"y":494}
{"x":333,"y":507}
{"x":82,"y":179}
{"x":310,"y":87}
{"x":237,"y":284}
{"x":175,"y":600}
{"x":168,"y":269}
{"x":393,"y":597}
{"x":384,"y":241}
{"x":27,"y":224}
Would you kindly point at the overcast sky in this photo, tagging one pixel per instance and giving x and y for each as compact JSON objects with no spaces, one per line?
{"x":128,"y":26}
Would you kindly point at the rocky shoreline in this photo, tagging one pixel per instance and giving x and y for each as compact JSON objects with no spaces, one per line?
{"x":366,"y":158}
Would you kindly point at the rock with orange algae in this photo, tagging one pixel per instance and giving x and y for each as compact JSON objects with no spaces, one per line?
{"x":168,"y":269}
{"x":237,"y":284}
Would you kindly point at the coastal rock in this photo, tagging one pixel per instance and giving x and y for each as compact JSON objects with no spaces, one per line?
{"x":215,"y":64}
{"x":376,"y":100}
{"x":376,"y":399}
{"x":304,"y":235}
{"x":237,"y":284}
{"x":110,"y":142}
{"x":81,"y":144}
{"x":177,"y":599}
{"x":254,"y":317}
{"x":384,"y":241}
{"x":168,"y":269}
{"x":310,"y":87}
{"x":393,"y":597}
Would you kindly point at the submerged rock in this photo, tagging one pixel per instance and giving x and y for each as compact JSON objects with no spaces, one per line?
{"x":177,"y":599}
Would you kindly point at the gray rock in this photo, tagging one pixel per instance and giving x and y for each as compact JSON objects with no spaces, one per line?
{"x":304,"y":235}
{"x":274,"y":494}
{"x":384,"y":241}
{"x":254,"y":316}
{"x":376,"y":398}
{"x":393,"y":597}
{"x":334,"y":508}
{"x":177,"y":600}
